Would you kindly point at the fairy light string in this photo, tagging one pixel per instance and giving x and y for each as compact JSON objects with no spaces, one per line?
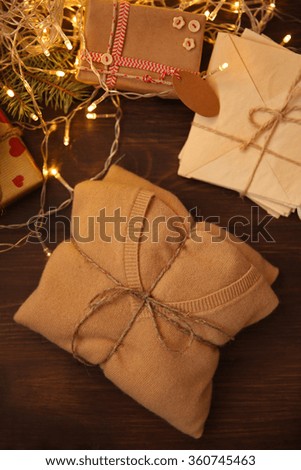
{"x":33,"y":27}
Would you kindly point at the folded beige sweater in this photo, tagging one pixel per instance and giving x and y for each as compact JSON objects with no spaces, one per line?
{"x":151,"y":311}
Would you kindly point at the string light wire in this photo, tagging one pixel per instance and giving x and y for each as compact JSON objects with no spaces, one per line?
{"x":35,"y":27}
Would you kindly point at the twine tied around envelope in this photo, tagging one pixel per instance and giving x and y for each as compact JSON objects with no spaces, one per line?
{"x":175,"y":317}
{"x":278,"y":116}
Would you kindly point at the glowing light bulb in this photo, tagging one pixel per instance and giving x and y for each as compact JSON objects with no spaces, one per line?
{"x":47,"y":252}
{"x":236,"y":7}
{"x":10,"y":93}
{"x":220,"y":68}
{"x":74,"y":20}
{"x":272,"y":6}
{"x":286,"y":39}
{"x":207,"y":14}
{"x":60,"y":73}
{"x":67,"y":133}
{"x":53,"y":171}
{"x":224,"y":66}
{"x":45,"y":171}
{"x":91,"y":115}
{"x":216,"y":10}
{"x":68,"y":44}
{"x":34,"y":117}
{"x":91,"y":107}
{"x":46,"y":52}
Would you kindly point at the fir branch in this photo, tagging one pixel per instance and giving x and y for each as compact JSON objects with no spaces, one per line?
{"x":57,"y":92}
{"x":19,"y":105}
{"x":50,"y":83}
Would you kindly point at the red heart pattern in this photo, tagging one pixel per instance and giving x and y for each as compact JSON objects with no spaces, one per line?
{"x":18,"y":181}
{"x":16,"y":147}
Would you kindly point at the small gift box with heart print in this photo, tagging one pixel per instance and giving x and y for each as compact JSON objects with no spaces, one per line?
{"x":18,"y":172}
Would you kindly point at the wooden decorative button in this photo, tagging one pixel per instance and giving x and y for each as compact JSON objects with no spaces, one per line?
{"x":106,"y":59}
{"x":189,"y":44}
{"x":178,"y":22}
{"x":194,"y":26}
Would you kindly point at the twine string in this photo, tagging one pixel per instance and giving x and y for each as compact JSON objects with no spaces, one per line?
{"x":278,"y":116}
{"x":116,"y":45}
{"x":175,"y":317}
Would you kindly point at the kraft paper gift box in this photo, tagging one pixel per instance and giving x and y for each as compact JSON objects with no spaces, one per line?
{"x":18,"y":172}
{"x":139,"y":48}
{"x":150,"y":310}
{"x":252,"y":146}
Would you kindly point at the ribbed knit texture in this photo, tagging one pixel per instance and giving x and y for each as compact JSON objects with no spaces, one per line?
{"x":131,"y":249}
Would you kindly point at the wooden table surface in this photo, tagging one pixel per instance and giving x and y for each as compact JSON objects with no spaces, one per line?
{"x":50,"y":401}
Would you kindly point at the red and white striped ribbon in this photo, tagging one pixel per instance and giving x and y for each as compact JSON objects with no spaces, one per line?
{"x":129,"y":62}
{"x":118,"y":42}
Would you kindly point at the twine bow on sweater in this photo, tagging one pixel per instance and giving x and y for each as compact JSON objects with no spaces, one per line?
{"x":180,"y":320}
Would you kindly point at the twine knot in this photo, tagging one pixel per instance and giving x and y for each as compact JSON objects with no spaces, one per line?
{"x":277,"y":116}
{"x":283,"y":115}
{"x":180,"y":320}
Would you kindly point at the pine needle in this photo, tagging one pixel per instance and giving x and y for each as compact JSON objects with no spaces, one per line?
{"x":59,"y":93}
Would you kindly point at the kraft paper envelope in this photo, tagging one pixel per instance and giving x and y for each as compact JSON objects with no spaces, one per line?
{"x":260,"y":75}
{"x":273,"y":208}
